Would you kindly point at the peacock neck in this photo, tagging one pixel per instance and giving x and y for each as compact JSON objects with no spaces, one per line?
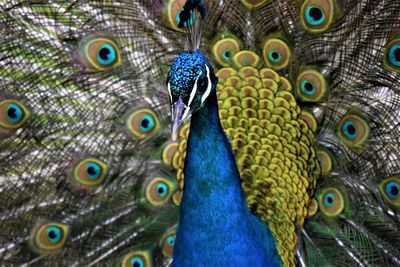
{"x":216,"y":227}
{"x":210,"y":167}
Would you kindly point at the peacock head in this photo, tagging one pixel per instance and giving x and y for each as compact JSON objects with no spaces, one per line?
{"x":190,"y":81}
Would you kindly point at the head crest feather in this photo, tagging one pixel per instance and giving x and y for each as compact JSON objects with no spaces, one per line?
{"x":193,"y":16}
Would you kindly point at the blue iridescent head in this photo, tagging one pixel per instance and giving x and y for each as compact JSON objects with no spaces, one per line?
{"x":190,"y":81}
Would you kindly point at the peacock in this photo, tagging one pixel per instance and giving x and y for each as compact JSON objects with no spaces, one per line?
{"x":199,"y":133}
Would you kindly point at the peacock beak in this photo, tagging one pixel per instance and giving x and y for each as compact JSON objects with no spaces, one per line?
{"x":180,"y":113}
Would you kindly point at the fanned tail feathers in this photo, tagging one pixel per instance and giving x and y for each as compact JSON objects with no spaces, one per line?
{"x":87,"y":168}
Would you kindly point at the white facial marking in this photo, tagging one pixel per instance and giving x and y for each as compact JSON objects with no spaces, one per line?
{"x":185,"y":115}
{"x":169,"y":91}
{"x":194,"y":90}
{"x":208,"y":91}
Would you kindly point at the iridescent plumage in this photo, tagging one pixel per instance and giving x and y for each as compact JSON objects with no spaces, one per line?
{"x":308,"y":97}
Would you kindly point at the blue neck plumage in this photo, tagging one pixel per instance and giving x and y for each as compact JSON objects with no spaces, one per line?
{"x":216,"y":227}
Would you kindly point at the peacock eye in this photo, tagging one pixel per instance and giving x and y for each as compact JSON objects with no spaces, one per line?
{"x":307,"y":87}
{"x":202,"y":84}
{"x":101,"y":54}
{"x":159,"y":190}
{"x":311,"y":86}
{"x":325,"y":159}
{"x":171,"y":240}
{"x":106,"y":54}
{"x":136,"y":262}
{"x":390,"y":189}
{"x":49,"y":237}
{"x":172,"y":14}
{"x":276,"y":53}
{"x":331,"y":201}
{"x":317,"y":15}
{"x":224,"y":49}
{"x":54,"y":234}
{"x":146,"y":123}
{"x":349,"y":130}
{"x":167,"y":243}
{"x":274,"y":56}
{"x":162,"y":189}
{"x":392,"y":55}
{"x":137,"y":259}
{"x":90,"y":172}
{"x":169,"y":152}
{"x":12,"y":114}
{"x":353,"y":130}
{"x":143,"y":123}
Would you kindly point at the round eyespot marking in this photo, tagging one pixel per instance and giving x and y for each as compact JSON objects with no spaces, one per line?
{"x":311,"y":86}
{"x":349,"y":130}
{"x":136,"y":262}
{"x":101,"y":54}
{"x":106,"y":55}
{"x":276,"y":53}
{"x":317,"y":15}
{"x":169,"y":153}
{"x":224,"y":49}
{"x":147,"y":123}
{"x":137,"y":259}
{"x":159,"y":190}
{"x":325,"y":159}
{"x":353,"y":130}
{"x":162,"y":190}
{"x":171,"y":14}
{"x":314,"y":15}
{"x":331,"y":201}
{"x":54,"y":234}
{"x":246,"y":58}
{"x":274,"y":56}
{"x":49,"y":237}
{"x":390,"y":189}
{"x":13,"y":114}
{"x":186,"y":23}
{"x":143,"y":123}
{"x":307,"y":87}
{"x":310,"y":119}
{"x":90,"y":172}
{"x":167,"y":243}
{"x":227,"y":54}
{"x":392,"y":55}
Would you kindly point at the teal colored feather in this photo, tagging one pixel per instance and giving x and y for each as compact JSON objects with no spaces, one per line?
{"x":85,"y":129}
